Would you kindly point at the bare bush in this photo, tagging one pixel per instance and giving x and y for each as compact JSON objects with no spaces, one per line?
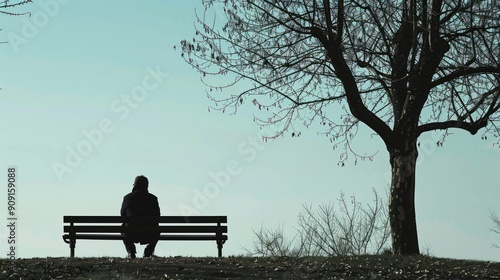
{"x":351,"y":228}
{"x":273,"y":243}
{"x":496,"y":225}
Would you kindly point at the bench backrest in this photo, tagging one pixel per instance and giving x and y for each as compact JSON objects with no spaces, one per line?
{"x":167,"y":224}
{"x":143,"y":219}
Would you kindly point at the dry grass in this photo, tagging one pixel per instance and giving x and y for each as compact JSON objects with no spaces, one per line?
{"x":355,"y":267}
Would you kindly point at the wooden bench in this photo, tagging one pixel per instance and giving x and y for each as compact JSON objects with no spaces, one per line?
{"x":171,"y":228}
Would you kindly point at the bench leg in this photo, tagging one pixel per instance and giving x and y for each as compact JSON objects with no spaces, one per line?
{"x":219,"y":247}
{"x":72,"y":244}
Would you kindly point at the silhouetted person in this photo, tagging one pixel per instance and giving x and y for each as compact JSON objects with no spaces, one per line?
{"x":141,"y":203}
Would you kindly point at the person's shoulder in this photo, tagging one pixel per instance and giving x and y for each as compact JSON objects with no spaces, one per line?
{"x":152,"y":195}
{"x":128,"y":195}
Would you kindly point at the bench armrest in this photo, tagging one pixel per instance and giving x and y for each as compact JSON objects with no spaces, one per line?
{"x":65,"y":238}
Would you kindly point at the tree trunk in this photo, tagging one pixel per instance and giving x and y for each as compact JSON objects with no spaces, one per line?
{"x":402,"y":198}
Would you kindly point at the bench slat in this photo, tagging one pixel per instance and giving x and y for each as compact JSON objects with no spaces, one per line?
{"x":166,"y":229}
{"x":162,"y":237}
{"x":162,"y":219}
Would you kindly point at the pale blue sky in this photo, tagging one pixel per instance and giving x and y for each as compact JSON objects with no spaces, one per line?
{"x":74,"y":67}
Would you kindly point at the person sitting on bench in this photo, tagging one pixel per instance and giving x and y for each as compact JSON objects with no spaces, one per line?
{"x":141,"y":203}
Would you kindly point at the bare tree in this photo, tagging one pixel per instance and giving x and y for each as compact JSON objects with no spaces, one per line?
{"x":348,"y":229}
{"x":401,"y":67}
{"x":6,"y":6}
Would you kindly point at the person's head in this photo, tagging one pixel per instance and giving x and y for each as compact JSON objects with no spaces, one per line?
{"x":141,"y":183}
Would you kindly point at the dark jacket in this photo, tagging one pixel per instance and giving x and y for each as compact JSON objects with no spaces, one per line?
{"x":141,"y":203}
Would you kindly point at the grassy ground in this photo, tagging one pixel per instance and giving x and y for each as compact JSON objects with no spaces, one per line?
{"x":356,"y":267}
